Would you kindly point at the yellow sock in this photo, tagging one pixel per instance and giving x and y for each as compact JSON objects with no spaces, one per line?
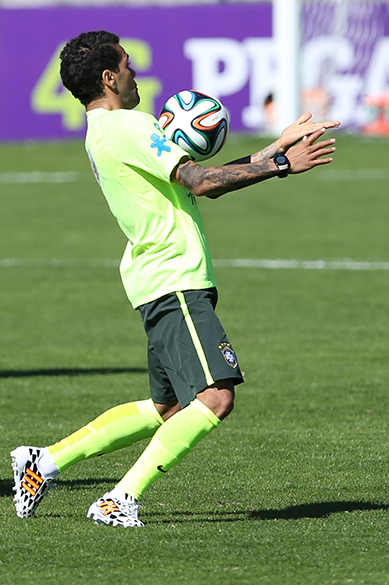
{"x":173,"y":440}
{"x":116,"y":428}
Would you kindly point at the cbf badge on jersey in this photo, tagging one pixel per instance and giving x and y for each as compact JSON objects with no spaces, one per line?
{"x":228,"y":354}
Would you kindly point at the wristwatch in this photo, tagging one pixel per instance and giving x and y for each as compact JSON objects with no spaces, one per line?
{"x":282,"y":164}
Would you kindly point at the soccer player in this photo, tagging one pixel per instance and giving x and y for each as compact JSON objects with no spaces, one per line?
{"x":151,"y":186}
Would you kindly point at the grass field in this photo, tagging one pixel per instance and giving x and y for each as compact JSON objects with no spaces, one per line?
{"x":293,"y":487}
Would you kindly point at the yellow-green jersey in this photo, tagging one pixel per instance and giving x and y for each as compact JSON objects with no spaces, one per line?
{"x":132,"y":160}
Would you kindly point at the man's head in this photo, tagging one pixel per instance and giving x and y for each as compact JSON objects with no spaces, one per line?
{"x":94,"y":61}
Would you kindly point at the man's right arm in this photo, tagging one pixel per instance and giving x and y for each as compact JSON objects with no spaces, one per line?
{"x":215,"y":181}
{"x":302,"y":154}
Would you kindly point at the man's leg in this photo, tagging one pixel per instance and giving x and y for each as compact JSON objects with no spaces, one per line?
{"x":189,"y":350}
{"x":178,"y":436}
{"x":119,"y":427}
{"x":36,"y":468}
{"x":170,"y":444}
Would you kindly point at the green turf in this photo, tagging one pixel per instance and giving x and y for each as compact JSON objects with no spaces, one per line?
{"x":292,"y":489}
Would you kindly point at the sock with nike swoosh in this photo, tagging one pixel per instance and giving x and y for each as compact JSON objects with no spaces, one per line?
{"x":173,"y":440}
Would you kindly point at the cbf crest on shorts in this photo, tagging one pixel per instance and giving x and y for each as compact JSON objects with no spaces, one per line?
{"x":228,"y":354}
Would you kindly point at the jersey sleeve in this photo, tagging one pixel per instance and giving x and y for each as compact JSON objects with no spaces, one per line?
{"x":141,"y":143}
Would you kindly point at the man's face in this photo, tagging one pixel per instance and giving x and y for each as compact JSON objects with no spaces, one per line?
{"x":125,"y":82}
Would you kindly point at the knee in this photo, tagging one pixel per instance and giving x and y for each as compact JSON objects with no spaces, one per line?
{"x":226,"y":405}
{"x":167,"y":410}
{"x":219,"y":398}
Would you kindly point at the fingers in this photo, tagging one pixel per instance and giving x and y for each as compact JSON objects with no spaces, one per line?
{"x":321,"y":127}
{"x":304,"y":129}
{"x":324,"y":148}
{"x":304,"y":118}
{"x":312,"y":137}
{"x":311,"y":127}
{"x":323,"y":144}
{"x":334,"y":124}
{"x":317,"y":134}
{"x":324,"y":152}
{"x":300,"y":165}
{"x":322,"y":161}
{"x":326,"y":125}
{"x":308,"y":153}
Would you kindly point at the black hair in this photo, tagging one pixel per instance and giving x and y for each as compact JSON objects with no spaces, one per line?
{"x":83,"y":60}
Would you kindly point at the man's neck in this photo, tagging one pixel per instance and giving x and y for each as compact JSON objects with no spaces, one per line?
{"x":107,"y":103}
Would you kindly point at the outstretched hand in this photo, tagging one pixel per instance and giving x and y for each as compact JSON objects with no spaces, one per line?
{"x":302,"y":127}
{"x":308,"y":152}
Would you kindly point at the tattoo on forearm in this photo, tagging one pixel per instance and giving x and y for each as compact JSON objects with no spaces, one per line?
{"x":215,"y":181}
{"x":265,"y":154}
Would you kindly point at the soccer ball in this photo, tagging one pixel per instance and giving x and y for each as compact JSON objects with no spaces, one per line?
{"x":195,"y":121}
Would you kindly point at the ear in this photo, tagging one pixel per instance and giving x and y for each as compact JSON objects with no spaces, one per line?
{"x":108,"y":79}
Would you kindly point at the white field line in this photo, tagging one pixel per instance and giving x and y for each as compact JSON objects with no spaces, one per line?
{"x":27,"y":177}
{"x":302,"y":264}
{"x":351,"y":174}
{"x":56,"y":263}
{"x":230,"y":263}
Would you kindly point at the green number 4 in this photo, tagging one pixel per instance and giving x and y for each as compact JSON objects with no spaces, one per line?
{"x":50,"y":97}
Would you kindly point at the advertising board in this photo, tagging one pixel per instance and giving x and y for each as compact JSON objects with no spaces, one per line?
{"x":226,"y":50}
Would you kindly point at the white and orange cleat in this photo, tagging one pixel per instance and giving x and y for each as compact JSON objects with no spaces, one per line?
{"x":115,"y":511}
{"x":31,"y":485}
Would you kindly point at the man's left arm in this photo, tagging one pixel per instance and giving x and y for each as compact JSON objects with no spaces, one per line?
{"x":213,"y":182}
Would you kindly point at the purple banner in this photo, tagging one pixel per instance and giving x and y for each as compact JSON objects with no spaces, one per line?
{"x":226,"y":50}
{"x":166,"y":45}
{"x":345,"y":63}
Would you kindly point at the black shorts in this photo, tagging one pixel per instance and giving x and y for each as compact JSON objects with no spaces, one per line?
{"x":188,"y":349}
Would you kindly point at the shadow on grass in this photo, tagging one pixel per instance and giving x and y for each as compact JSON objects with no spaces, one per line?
{"x":312,"y":510}
{"x":315,"y":510}
{"x":6,"y":485}
{"x":69,"y":372}
{"x":79,"y":484}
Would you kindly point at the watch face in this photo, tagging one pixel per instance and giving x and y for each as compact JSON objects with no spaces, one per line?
{"x":282,"y":164}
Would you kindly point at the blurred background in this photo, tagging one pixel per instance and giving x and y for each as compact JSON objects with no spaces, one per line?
{"x":295,"y":489}
{"x":267,"y":61}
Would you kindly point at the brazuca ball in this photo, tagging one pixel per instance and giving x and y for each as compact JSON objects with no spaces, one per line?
{"x":195,"y":121}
